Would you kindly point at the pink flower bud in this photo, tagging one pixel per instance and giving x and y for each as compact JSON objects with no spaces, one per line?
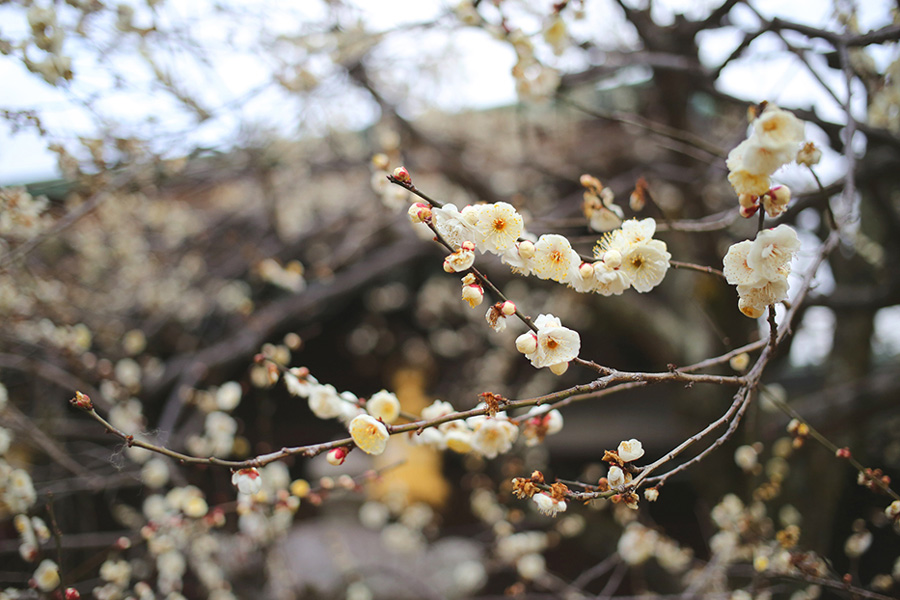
{"x":749,"y":212}
{"x":82,"y":401}
{"x":473,"y":294}
{"x":402,"y":175}
{"x":336,"y":456}
{"x":508,"y":308}
{"x":247,"y":481}
{"x":526,"y":249}
{"x":72,"y":594}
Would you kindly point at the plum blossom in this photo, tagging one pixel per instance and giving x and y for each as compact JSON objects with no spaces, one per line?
{"x":555,"y":343}
{"x":760,"y":268}
{"x":384,"y":405}
{"x":548,"y":505}
{"x":773,"y":142}
{"x":498,"y":226}
{"x":630,"y":450}
{"x":452,"y":226}
{"x":369,"y":434}
{"x":554,"y":258}
{"x":247,"y":481}
{"x":494,"y":436}
{"x":46,"y":576}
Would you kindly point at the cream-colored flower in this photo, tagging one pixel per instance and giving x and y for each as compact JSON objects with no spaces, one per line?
{"x":745,"y":182}
{"x":247,"y":481}
{"x":737,"y":271}
{"x":615,"y":477}
{"x":494,"y":436}
{"x":772,"y":292}
{"x":637,"y":543}
{"x":46,"y":576}
{"x":555,"y":344}
{"x":645,"y":263}
{"x":610,"y":281}
{"x":630,"y":450}
{"x":779,"y":130}
{"x":459,"y":440}
{"x":635,"y":231}
{"x":754,"y":157}
{"x":384,"y":405}
{"x":772,"y":250}
{"x":554,"y":257}
{"x":499,"y":226}
{"x":606,"y":218}
{"x":548,"y":505}
{"x":369,"y":434}
{"x":751,"y":309}
{"x":460,"y":260}
{"x":228,"y":396}
{"x":452,"y":226}
{"x":325,"y":402}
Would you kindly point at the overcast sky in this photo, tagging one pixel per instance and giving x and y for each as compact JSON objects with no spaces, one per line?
{"x":478,"y":75}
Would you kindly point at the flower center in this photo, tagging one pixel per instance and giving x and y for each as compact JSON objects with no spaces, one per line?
{"x":499,"y":224}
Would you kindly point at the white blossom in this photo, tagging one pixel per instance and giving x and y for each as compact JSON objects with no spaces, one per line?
{"x":498,"y":226}
{"x":630,"y":450}
{"x":494,"y":436}
{"x":46,"y":576}
{"x":548,"y":505}
{"x":247,"y":481}
{"x":554,"y":258}
{"x":384,"y":405}
{"x":325,"y":402}
{"x":452,"y":226}
{"x":369,"y":434}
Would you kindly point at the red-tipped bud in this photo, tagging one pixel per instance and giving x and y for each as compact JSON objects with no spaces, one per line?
{"x":842,"y":452}
{"x":82,"y":401}
{"x":337,"y":456}
{"x":402,"y":175}
{"x":72,"y":594}
{"x":749,"y":212}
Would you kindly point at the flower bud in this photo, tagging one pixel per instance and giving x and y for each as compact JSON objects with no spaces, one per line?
{"x":586,"y":270}
{"x":402,"y":175}
{"x":559,"y":368}
{"x":740,"y":362}
{"x":751,"y":310}
{"x":247,"y":481}
{"x":82,"y":401}
{"x":336,"y":456}
{"x":526,"y":343}
{"x":473,"y":294}
{"x":526,"y":249}
{"x":749,"y":212}
{"x":613,"y":259}
{"x":508,"y":308}
{"x":419,"y":212}
{"x":809,"y":155}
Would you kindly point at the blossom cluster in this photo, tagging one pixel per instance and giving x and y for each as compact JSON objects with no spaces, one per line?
{"x":625,"y":258}
{"x":552,"y":346}
{"x":775,"y":140}
{"x":759,"y":268}
{"x":482,"y":435}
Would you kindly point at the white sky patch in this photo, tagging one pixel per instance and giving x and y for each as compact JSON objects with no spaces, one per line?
{"x":814,"y":338}
{"x":886,"y":341}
